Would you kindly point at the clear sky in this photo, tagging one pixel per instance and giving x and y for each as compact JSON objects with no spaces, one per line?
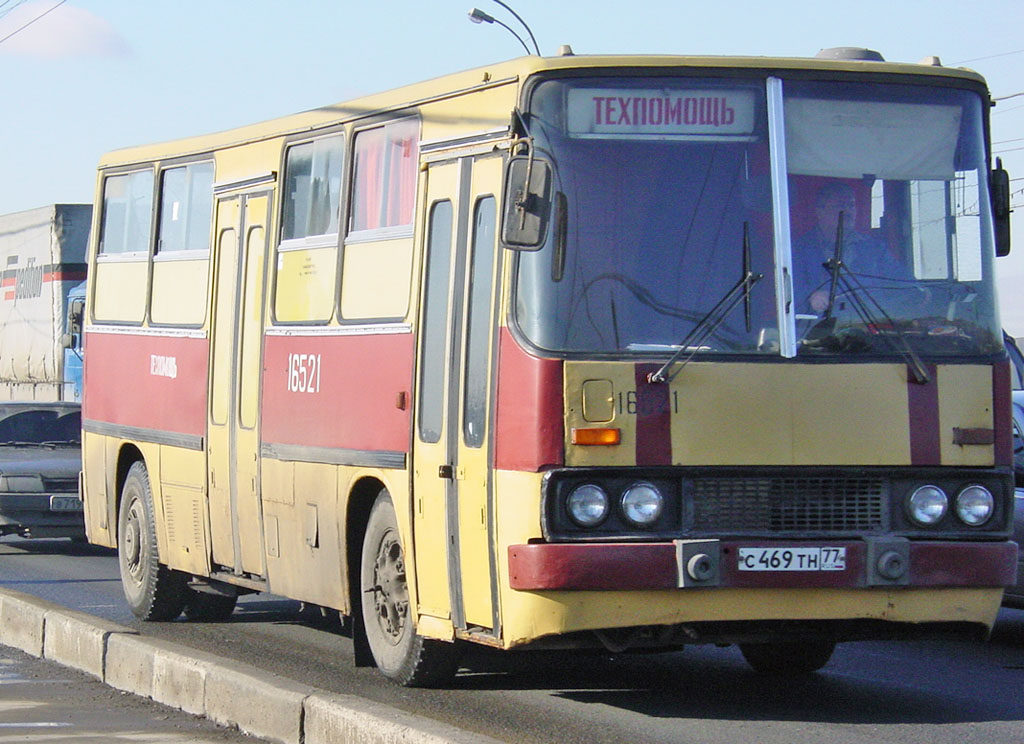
{"x":96,"y":75}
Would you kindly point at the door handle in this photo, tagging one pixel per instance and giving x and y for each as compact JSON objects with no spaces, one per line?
{"x":450,"y":472}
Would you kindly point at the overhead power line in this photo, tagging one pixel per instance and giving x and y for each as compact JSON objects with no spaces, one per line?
{"x":991,"y":56}
{"x":5,"y":3}
{"x":1006,"y":111}
{"x":29,"y":23}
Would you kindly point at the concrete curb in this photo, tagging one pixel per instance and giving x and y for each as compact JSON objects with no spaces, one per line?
{"x":332,"y":718}
{"x":228,"y":692}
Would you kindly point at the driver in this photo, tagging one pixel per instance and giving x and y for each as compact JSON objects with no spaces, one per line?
{"x":863,"y":253}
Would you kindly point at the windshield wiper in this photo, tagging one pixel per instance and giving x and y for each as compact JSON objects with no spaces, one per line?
{"x":834,"y":266}
{"x":861,"y":299}
{"x":715,"y":317}
{"x":863,"y":302}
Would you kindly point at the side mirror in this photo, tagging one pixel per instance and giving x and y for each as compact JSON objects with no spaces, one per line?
{"x":527,"y":212}
{"x":1000,"y":188}
{"x":76,"y":314}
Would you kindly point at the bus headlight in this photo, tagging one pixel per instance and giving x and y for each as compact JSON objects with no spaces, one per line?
{"x":927,"y":505}
{"x":642,"y":504}
{"x":588,"y":505}
{"x":974,"y":505}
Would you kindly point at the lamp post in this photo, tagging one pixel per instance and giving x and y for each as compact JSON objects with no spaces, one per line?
{"x":478,"y":16}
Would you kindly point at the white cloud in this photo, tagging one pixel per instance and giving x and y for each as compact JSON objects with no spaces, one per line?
{"x":67,"y":31}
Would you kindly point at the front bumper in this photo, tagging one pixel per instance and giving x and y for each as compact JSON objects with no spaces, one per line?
{"x":686,"y":564}
{"x":42,"y":514}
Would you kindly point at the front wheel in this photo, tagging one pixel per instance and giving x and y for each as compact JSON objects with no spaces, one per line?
{"x":788,"y":658}
{"x":153,"y":591}
{"x":399,"y":652}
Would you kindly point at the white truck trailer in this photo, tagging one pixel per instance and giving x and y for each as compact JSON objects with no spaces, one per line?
{"x":42,"y":259}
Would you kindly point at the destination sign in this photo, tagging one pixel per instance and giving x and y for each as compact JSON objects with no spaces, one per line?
{"x":605,"y":112}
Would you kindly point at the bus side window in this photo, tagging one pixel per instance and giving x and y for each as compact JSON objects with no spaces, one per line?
{"x":181,"y":259}
{"x":307,"y":256}
{"x":379,"y":246}
{"x":119,"y":278}
{"x":384,"y":186}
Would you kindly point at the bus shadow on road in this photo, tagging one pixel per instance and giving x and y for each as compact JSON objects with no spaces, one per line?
{"x":54,"y":546}
{"x":715,"y":683}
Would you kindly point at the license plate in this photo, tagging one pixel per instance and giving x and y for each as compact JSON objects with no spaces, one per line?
{"x":792,"y":559}
{"x":65,"y":503}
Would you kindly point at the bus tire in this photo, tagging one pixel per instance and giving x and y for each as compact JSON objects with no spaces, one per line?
{"x":153,"y":591}
{"x":789,"y":657}
{"x":399,"y":652}
{"x":209,"y":608}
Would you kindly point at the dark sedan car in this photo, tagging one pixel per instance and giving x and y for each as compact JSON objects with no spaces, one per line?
{"x":1014,"y":596}
{"x":40,"y":458}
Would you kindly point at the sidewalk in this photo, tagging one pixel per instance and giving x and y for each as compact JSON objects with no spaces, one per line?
{"x":234,"y":694}
{"x":41,"y":701}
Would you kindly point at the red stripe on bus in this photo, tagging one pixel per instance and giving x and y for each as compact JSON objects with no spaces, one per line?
{"x":1002,"y":417}
{"x":653,"y":418}
{"x":338,"y":391}
{"x":152,"y":382}
{"x":923,"y":404}
{"x":64,"y":276}
{"x":633,"y":566}
{"x":9,"y":295}
{"x":529,"y":431}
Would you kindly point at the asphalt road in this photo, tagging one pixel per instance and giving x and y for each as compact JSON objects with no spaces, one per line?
{"x":870,"y":692}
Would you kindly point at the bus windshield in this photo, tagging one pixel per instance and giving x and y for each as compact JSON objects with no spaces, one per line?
{"x":868,"y":225}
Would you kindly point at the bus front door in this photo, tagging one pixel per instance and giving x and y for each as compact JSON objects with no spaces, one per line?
{"x":236,"y":519}
{"x":453,"y":522}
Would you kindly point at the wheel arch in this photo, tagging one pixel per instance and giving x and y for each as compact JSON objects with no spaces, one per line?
{"x":361,"y":498}
{"x":127,"y":455}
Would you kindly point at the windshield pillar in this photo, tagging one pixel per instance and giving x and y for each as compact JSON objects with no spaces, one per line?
{"x":780,"y":212}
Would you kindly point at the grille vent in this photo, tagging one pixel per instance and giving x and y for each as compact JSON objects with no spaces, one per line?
{"x":790,"y":505}
{"x":60,"y":485}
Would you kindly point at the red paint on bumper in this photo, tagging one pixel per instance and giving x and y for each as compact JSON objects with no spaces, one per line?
{"x":637,"y":566}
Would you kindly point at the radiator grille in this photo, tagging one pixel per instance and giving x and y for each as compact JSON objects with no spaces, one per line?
{"x":790,"y":505}
{"x":60,"y":485}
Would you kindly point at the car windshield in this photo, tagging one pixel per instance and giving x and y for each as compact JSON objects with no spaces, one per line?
{"x":858,"y":209}
{"x":41,"y":426}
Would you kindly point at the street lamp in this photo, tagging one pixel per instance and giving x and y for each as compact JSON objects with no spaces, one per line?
{"x":478,"y":16}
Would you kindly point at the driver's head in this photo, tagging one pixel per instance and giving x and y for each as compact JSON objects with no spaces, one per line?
{"x":835,"y":197}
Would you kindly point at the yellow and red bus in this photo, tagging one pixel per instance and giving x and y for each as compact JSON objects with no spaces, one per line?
{"x":623,"y":352}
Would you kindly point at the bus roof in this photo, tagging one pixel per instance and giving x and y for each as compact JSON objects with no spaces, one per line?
{"x":504,"y":73}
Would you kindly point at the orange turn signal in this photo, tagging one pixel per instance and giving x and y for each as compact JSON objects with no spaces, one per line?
{"x":600,"y":437}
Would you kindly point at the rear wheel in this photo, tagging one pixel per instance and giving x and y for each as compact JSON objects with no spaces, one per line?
{"x":153,"y":591}
{"x":788,"y":658}
{"x":400,"y":654}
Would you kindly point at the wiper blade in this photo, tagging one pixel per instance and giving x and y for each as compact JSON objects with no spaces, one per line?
{"x":863,"y":301}
{"x":834,"y":266}
{"x":715,"y":317}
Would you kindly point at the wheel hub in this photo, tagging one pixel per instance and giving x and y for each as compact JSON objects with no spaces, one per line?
{"x":390,"y":590}
{"x":132,"y":541}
